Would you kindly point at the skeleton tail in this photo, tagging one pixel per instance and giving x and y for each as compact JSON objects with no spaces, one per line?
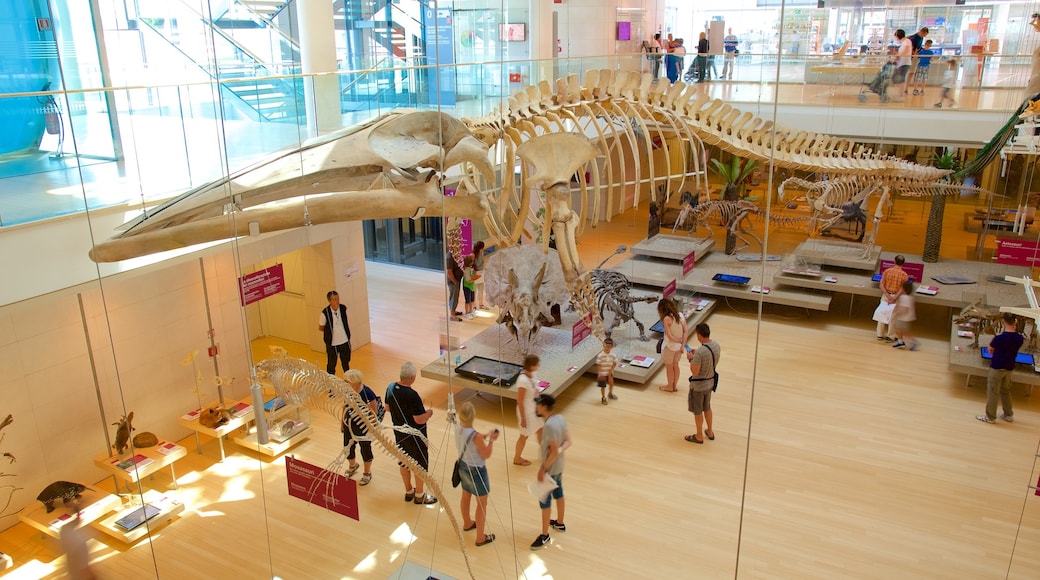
{"x":300,"y":382}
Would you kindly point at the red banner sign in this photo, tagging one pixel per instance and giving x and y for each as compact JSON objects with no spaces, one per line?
{"x":913,"y":269}
{"x":1018,"y":252}
{"x":259,"y":285}
{"x":688,"y":263}
{"x":668,"y":290}
{"x":322,"y":487}
{"x":580,"y":331}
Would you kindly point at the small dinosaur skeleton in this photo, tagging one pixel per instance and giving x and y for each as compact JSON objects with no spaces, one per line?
{"x":734,"y":215}
{"x":613,"y":294}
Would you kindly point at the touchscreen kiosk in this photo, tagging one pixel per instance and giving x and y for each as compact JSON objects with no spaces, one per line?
{"x":137,"y":517}
{"x":731,"y":279}
{"x":1023,"y":358}
{"x":487,"y":370}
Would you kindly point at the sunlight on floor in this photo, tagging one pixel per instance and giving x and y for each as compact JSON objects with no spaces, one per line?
{"x":33,"y":569}
{"x":367,"y":564}
{"x":403,"y":535}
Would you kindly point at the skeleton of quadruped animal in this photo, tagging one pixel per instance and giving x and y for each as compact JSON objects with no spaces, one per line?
{"x":613,"y":293}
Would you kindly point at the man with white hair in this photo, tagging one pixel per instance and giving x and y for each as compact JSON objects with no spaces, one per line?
{"x":408,"y":410}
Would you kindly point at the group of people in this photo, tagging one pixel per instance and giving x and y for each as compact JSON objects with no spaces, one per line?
{"x":674,"y":51}
{"x":702,"y":361}
{"x":538,"y":418}
{"x":469,"y":278}
{"x":897,"y":312}
{"x":913,"y":60}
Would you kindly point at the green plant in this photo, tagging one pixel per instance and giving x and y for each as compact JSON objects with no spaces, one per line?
{"x":733,"y":175}
{"x":946,"y":158}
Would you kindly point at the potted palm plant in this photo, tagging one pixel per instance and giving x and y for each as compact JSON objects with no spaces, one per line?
{"x":945,"y":158}
{"x":734,"y":176}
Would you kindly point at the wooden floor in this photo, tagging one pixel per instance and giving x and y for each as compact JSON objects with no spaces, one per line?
{"x":836,"y":457}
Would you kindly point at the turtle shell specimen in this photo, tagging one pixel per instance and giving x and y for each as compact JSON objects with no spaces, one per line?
{"x":146,"y":439}
{"x":63,"y":490}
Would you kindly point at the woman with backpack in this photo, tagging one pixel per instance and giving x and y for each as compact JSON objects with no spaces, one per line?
{"x":354,"y":430}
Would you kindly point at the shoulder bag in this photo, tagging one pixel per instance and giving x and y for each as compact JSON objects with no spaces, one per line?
{"x":456,"y":476}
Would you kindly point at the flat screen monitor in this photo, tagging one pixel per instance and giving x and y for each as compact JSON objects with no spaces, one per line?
{"x":875,"y":278}
{"x":1023,"y":358}
{"x":512,"y":32}
{"x":487,"y":370}
{"x":731,"y":279}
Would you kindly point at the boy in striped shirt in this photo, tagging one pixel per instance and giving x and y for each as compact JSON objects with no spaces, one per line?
{"x":605,"y":363}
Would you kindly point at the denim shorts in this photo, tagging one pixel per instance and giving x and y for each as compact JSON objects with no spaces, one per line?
{"x":554,"y":494}
{"x":474,"y":479}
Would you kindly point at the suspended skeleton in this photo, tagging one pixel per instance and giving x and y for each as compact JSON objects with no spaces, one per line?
{"x":298,"y":382}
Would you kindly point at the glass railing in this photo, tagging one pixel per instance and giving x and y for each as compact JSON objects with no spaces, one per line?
{"x":178,"y":136}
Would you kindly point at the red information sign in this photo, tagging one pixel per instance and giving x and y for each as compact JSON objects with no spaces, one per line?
{"x":1018,"y":252}
{"x":914,"y":269}
{"x":688,"y":263}
{"x":580,"y":331}
{"x":260,"y":285}
{"x":322,"y":487}
{"x":668,"y":290}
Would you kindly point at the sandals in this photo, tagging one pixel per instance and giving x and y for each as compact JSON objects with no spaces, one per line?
{"x":710,"y":435}
{"x":522,"y":462}
{"x":425,"y":499}
{"x":667,"y":390}
{"x":488,"y":538}
{"x":612,"y":397}
{"x":694,"y":439}
{"x":472,"y":526}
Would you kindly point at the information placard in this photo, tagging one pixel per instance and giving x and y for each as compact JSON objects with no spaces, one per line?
{"x":580,"y":331}
{"x":259,"y":285}
{"x":668,"y":290}
{"x":688,"y":262}
{"x":1017,"y":252}
{"x":322,"y":487}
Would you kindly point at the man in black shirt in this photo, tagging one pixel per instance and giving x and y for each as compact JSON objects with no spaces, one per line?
{"x":407,"y":409}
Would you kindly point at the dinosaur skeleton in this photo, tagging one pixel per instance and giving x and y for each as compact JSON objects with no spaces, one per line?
{"x":299,"y":382}
{"x":843,"y":198}
{"x":734,"y":215}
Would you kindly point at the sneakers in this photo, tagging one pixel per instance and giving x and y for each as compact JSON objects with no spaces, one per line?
{"x":468,"y":316}
{"x":558,"y":526}
{"x":889,"y":339}
{"x":365,"y":479}
{"x":541,"y":541}
{"x":880,"y":338}
{"x":612,"y":397}
{"x":899,"y":344}
{"x":352,"y":470}
{"x":425,"y":499}
{"x":603,"y":400}
{"x":1008,"y":418}
{"x":937,"y":105}
{"x":410,"y":496}
{"x":985,"y":419}
{"x":913,"y":345}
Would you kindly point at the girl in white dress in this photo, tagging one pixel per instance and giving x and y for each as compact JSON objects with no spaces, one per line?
{"x":528,"y":421}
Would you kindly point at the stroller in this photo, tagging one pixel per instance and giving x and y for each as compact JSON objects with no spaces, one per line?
{"x":691,"y":73}
{"x":879,"y":85}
